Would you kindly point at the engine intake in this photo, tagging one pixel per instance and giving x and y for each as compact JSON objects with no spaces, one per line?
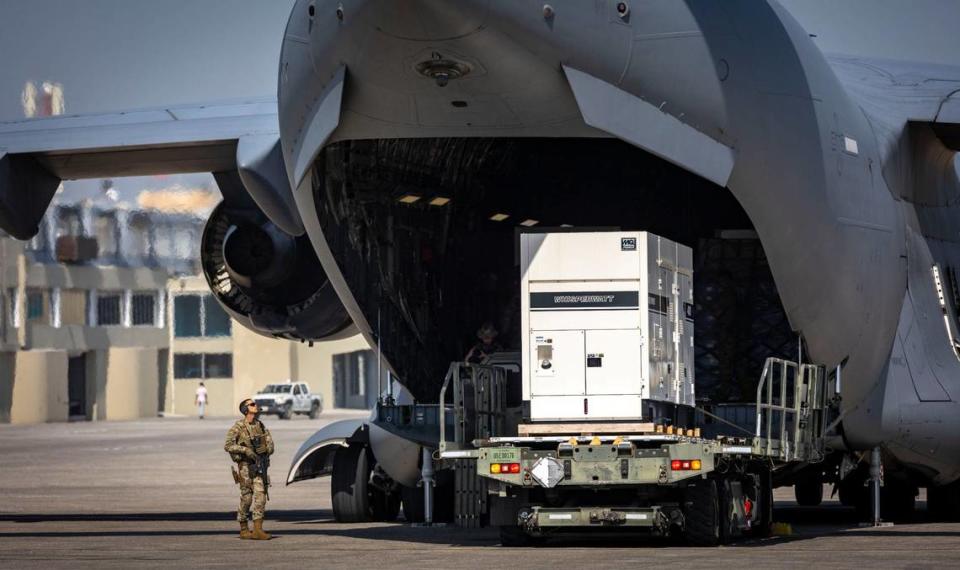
{"x":269,"y":281}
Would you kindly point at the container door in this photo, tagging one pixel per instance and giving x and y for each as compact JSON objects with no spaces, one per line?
{"x":614,"y":362}
{"x":556,"y":363}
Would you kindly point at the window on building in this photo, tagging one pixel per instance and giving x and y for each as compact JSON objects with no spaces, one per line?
{"x":69,"y":223}
{"x":107,"y":232}
{"x":216,"y":320}
{"x":186,"y":316}
{"x":36,"y":305}
{"x":199,"y":316}
{"x":143,"y":307}
{"x":108,"y":309}
{"x":202,"y":366}
{"x":73,"y":307}
{"x":10,"y":302}
{"x":217,"y":365}
{"x":188,"y":366}
{"x":139,"y":232}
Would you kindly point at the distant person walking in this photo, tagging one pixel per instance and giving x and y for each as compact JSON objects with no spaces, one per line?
{"x":201,"y":399}
{"x":250,"y":445}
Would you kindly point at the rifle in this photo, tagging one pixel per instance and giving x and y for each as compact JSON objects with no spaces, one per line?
{"x":262,"y":464}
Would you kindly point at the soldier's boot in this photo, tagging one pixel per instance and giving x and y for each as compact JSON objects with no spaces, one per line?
{"x":258,"y":533}
{"x":245,"y":530}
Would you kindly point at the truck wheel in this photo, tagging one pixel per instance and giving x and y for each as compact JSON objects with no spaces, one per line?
{"x":349,"y":485}
{"x":808,"y":491}
{"x":701,"y":513}
{"x":287,"y":412}
{"x":764,"y":524}
{"x":315,"y":410}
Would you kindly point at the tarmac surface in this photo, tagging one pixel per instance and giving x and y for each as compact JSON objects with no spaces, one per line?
{"x":158,"y":494}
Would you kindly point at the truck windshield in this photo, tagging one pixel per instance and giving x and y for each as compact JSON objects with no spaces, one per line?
{"x":276,"y":389}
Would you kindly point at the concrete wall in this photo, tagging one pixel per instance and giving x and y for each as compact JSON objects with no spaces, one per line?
{"x":220,"y":399}
{"x":132,"y":378}
{"x":315,"y":365}
{"x":39,"y":391}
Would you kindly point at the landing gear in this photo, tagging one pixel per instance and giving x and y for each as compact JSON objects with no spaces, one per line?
{"x":361,"y":493}
{"x":809,"y":490}
{"x":943,"y":502}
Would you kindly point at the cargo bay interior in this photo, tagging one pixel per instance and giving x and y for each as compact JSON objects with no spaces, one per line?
{"x":427,"y":230}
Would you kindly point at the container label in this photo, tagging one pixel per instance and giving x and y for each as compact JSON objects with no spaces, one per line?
{"x":585,"y":300}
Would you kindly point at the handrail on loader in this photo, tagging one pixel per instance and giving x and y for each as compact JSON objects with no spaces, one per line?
{"x":479,"y":403}
{"x":790,"y":419}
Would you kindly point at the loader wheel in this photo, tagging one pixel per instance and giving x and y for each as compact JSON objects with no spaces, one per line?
{"x":349,"y":485}
{"x":701,"y":513}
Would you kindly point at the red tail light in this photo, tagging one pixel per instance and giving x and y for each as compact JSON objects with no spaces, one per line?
{"x":686,"y":465}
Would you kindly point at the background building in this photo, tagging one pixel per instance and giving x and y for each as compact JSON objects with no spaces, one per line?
{"x":234,"y":363}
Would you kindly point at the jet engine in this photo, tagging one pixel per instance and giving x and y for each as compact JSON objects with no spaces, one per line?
{"x":270,"y":281}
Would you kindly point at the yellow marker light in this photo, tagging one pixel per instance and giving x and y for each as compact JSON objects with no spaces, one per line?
{"x":409,"y":199}
{"x":595,"y":441}
{"x":695,"y":465}
{"x":494,"y":467}
{"x":440,"y":201}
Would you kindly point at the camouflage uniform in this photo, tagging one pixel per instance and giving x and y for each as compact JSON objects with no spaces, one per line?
{"x":239,"y":444}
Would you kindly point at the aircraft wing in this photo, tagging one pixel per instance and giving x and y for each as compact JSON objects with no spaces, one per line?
{"x":896,"y":92}
{"x":226,"y":139}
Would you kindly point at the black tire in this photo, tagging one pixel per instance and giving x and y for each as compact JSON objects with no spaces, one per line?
{"x":701,"y":513}
{"x":412,"y":498}
{"x":315,"y":410}
{"x":349,"y":485}
{"x":443,"y":500}
{"x":898,"y":501}
{"x":943,"y":502}
{"x":728,"y":529}
{"x":808,"y":492}
{"x":287,"y":412}
{"x":764,"y":524}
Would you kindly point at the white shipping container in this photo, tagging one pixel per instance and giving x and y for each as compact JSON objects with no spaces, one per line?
{"x":608,"y":325}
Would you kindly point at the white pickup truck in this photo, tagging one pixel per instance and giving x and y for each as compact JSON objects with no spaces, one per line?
{"x":288,"y":398}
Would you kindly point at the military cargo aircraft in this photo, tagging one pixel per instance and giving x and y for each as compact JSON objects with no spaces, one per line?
{"x":381,"y":191}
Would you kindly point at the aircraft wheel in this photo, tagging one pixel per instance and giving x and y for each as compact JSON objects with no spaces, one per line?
{"x":943,"y":502}
{"x":808,"y":491}
{"x":350,"y":485}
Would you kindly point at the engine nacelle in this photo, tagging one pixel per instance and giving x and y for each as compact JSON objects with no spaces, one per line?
{"x":269,"y":281}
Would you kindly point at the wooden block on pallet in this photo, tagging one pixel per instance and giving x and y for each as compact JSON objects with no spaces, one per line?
{"x":531,"y":430}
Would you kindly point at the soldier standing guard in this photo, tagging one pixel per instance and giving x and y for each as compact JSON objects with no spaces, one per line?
{"x":250,"y":445}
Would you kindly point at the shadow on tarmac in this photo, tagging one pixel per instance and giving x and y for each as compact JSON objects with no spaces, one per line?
{"x":810,"y":523}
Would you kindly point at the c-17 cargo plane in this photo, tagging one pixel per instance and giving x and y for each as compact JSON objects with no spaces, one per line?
{"x":380,"y":194}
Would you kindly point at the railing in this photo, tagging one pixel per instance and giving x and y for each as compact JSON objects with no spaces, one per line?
{"x":790,"y":410}
{"x":479,"y":398}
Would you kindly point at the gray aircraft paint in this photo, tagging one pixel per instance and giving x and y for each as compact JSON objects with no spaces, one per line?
{"x":808,"y":167}
{"x":834,"y":160}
